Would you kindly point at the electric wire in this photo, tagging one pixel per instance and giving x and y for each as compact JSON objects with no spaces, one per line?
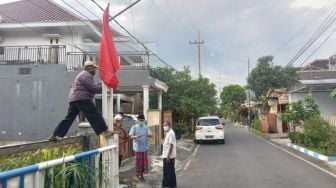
{"x":323,"y":42}
{"x":177,"y":18}
{"x":302,"y":29}
{"x":325,"y":25}
{"x":169,"y":20}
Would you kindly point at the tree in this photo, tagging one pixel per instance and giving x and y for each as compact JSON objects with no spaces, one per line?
{"x":266,"y":76}
{"x":232,"y":96}
{"x":188,"y":97}
{"x":301,"y":111}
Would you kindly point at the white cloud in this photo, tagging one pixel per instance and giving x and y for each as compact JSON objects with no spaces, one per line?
{"x":312,"y":4}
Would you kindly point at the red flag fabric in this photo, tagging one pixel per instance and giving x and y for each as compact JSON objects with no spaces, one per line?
{"x":108,"y":57}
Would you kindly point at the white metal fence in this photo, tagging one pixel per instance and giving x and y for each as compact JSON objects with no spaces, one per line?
{"x":330,"y":119}
{"x":100,"y":170}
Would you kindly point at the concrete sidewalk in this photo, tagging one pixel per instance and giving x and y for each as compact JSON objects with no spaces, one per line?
{"x":154,"y":177}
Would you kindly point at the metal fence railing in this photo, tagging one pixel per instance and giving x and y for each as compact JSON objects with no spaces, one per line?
{"x":128,"y":61}
{"x":330,"y":119}
{"x":57,"y":54}
{"x":98,"y":168}
{"x":42,"y":54}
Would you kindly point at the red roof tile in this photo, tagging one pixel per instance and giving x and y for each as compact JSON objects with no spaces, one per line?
{"x":34,"y":11}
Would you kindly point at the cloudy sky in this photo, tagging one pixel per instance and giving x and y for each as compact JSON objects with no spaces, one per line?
{"x":232,"y":30}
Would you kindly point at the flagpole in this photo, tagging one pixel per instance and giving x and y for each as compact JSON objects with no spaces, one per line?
{"x":108,"y":67}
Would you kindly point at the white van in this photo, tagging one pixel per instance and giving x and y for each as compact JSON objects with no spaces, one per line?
{"x":209,"y":128}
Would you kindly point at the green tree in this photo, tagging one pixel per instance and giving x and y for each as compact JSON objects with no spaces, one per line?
{"x":188,"y":97}
{"x":266,"y":76}
{"x":301,"y":111}
{"x":232,"y":96}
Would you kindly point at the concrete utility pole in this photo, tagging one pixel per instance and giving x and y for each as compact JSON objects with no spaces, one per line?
{"x":249,"y":94}
{"x":198,"y":43}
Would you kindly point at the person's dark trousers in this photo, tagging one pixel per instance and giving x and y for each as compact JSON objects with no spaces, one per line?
{"x":169,"y":176}
{"x":90,"y":112}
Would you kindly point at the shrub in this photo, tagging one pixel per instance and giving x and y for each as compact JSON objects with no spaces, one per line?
{"x":297,"y":137}
{"x":256,"y":125}
{"x":316,"y":131}
{"x":328,"y":147}
{"x":181,"y":127}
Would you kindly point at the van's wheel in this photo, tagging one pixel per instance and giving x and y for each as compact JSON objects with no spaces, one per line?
{"x":197,"y":141}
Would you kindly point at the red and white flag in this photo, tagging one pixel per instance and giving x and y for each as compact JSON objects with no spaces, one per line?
{"x":108,"y":57}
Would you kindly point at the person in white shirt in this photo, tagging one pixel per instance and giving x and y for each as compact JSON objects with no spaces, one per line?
{"x":169,"y":155}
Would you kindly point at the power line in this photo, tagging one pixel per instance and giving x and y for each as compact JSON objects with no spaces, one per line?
{"x":325,"y":25}
{"x":323,"y":42}
{"x":302,"y":29}
{"x":116,"y":22}
{"x":27,"y":26}
{"x":169,"y":20}
{"x":225,"y":56}
{"x":188,"y":14}
{"x":88,"y":9}
{"x":132,"y":15}
{"x":131,"y":35}
{"x":177,"y":18}
{"x":75,"y":9}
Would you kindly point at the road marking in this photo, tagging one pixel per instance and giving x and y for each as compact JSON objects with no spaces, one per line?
{"x":189,"y":161}
{"x":298,"y":157}
{"x":194,"y":153}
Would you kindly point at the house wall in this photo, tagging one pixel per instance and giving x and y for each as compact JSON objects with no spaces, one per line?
{"x":33,"y":104}
{"x":25,"y":37}
{"x":326,"y":104}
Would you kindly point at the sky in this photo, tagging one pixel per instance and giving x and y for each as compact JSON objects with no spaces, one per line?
{"x":233,"y":31}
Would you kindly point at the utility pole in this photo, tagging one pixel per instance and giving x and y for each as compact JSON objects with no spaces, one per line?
{"x":249,"y":94}
{"x":198,"y":43}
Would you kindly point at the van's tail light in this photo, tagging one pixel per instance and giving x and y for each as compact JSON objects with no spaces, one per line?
{"x":219,"y":127}
{"x":198,"y":128}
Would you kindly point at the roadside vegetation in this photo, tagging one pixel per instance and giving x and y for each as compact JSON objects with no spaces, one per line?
{"x":309,"y":129}
{"x":188,"y":97}
{"x":75,"y":174}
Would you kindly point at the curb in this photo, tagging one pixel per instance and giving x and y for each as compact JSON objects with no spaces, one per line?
{"x":312,"y":153}
{"x":263,"y":135}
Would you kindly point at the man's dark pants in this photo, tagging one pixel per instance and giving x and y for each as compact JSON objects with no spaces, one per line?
{"x":90,"y":112}
{"x":169,"y":176}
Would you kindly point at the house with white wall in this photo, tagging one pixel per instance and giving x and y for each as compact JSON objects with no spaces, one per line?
{"x":318,"y":79}
{"x":42,"y":47}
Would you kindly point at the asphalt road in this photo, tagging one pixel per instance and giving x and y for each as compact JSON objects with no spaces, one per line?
{"x":247,"y":161}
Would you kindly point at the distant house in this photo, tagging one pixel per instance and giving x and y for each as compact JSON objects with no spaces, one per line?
{"x":319,"y":79}
{"x":42,"y":47}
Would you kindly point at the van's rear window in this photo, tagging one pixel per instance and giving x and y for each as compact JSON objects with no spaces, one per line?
{"x":208,"y":122}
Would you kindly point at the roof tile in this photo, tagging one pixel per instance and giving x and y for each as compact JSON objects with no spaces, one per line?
{"x":34,"y":11}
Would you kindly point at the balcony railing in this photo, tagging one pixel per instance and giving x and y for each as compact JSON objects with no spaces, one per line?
{"x":128,"y":61}
{"x":48,"y":54}
{"x":56,"y":54}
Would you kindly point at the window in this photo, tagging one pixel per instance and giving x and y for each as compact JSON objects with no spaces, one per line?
{"x":208,"y":122}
